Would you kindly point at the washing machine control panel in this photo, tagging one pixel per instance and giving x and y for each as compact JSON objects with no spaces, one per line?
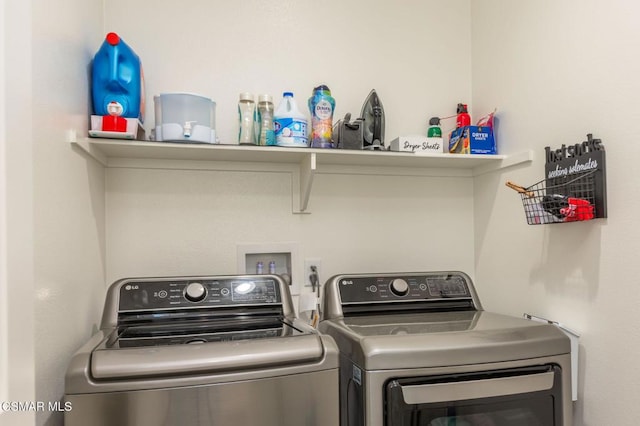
{"x":207,"y":293}
{"x":358,"y":289}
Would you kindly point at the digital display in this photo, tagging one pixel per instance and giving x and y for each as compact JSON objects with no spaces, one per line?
{"x":447,"y":288}
{"x":253,"y":291}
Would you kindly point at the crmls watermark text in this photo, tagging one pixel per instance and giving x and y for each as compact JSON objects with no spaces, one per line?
{"x":20,"y":406}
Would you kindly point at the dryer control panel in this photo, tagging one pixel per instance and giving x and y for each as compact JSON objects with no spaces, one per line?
{"x":402,"y":287}
{"x":205,"y":293}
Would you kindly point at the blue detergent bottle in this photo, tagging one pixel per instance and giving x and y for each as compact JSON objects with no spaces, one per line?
{"x":117,"y":80}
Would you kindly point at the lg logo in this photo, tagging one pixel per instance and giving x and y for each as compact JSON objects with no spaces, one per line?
{"x":131,"y":287}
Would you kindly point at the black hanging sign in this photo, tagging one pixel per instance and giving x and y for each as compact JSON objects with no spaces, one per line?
{"x":580,"y":171}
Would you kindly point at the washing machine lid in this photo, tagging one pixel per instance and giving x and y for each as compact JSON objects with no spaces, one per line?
{"x":201,"y":331}
{"x":236,"y":351}
{"x":437,"y":339}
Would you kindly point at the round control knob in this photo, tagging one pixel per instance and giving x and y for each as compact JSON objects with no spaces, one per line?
{"x":195,"y":292}
{"x":399,"y":287}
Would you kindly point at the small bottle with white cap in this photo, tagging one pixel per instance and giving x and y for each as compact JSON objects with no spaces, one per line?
{"x":246,"y":111}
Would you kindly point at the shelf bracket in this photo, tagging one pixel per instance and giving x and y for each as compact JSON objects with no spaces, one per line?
{"x":84,"y":145}
{"x":302,"y":183}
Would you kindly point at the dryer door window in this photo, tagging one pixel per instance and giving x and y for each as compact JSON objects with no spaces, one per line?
{"x":529,"y":396}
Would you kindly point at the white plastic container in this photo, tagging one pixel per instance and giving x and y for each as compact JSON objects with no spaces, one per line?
{"x":290,"y":124}
{"x":184,"y":117}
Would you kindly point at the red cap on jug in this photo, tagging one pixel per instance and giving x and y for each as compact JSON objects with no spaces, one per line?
{"x":113,"y":39}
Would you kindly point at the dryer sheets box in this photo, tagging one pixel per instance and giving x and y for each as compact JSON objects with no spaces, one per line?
{"x":473,"y":140}
{"x":418,"y":144}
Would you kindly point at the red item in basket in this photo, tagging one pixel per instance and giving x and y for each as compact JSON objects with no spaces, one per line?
{"x":577,"y":209}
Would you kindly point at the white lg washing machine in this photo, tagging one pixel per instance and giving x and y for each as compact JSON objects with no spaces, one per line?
{"x":196,"y":351}
{"x":417,"y":349}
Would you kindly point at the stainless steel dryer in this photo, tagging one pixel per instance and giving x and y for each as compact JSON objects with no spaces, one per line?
{"x":417,"y":349}
{"x":214,"y":350}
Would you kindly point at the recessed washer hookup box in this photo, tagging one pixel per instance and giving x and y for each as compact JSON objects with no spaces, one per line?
{"x":473,"y":140}
{"x":418,"y":144}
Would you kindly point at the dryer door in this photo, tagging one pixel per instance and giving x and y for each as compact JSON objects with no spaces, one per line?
{"x":530,"y":396}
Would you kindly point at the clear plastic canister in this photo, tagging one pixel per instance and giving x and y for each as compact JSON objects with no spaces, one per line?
{"x":246,"y":111}
{"x":264,"y":121}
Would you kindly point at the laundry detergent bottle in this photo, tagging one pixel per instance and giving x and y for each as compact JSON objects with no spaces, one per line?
{"x":117,"y":80}
{"x":289,"y":123}
{"x":321,"y":107}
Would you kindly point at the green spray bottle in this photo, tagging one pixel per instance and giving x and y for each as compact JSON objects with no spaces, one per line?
{"x":434,"y":128}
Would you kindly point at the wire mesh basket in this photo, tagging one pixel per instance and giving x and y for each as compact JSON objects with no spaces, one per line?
{"x":559,"y":200}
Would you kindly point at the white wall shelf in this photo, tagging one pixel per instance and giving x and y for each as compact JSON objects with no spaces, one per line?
{"x":303,"y":163}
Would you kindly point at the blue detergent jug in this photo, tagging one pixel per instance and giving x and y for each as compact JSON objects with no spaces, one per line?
{"x":117,"y":80}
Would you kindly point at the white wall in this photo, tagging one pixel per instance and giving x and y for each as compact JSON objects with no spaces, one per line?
{"x":4,"y":353}
{"x":557,"y":71}
{"x":416,"y":55}
{"x":68,"y":193}
{"x":16,"y":169}
{"x":189,"y":222}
